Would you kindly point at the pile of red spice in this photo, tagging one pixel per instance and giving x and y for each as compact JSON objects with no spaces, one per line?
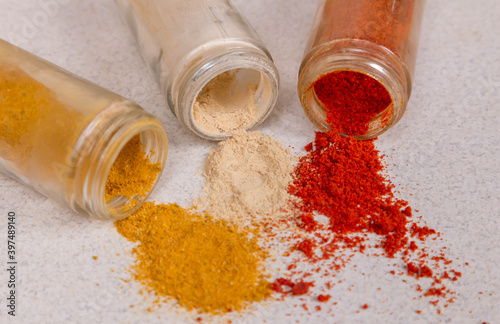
{"x":343,"y":179}
{"x":351,"y":100}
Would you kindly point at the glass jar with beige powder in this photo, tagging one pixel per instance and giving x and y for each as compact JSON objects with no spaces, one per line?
{"x":216,"y":74}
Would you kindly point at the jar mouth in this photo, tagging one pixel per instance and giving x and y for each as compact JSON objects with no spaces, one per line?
{"x":234,"y":99}
{"x":121,"y":206}
{"x":363,"y":57}
{"x":237,"y":90}
{"x":98,"y":154}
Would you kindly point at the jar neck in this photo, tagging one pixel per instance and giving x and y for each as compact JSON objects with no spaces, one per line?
{"x":357,"y":56}
{"x":189,"y":82}
{"x":98,"y":147}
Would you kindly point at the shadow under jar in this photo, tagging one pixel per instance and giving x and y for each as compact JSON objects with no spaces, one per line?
{"x":61,"y":135}
{"x":356,"y":74}
{"x":216,"y":74}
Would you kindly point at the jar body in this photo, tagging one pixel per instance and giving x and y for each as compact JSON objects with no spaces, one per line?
{"x":188,"y":43}
{"x":378,"y":38}
{"x":60,"y":134}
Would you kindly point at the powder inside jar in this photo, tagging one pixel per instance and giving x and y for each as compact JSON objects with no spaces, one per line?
{"x":351,"y":100}
{"x":227,"y":102}
{"x":132,"y":174}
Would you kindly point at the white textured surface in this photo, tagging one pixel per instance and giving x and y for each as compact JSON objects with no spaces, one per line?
{"x":446,"y":151}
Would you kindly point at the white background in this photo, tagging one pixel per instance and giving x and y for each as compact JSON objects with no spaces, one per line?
{"x":445,"y":150}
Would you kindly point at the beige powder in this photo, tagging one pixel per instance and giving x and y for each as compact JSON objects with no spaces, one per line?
{"x":247,"y":174}
{"x":224,"y":105}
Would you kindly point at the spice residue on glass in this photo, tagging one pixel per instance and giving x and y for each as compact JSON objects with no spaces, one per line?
{"x":132,"y":175}
{"x":387,"y":23}
{"x":29,"y":130}
{"x":205,"y":264}
{"x":351,"y":100}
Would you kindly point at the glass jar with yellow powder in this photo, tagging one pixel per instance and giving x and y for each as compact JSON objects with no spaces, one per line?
{"x":74,"y":141}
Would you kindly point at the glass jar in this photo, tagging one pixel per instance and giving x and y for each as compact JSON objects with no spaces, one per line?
{"x":60,"y":134}
{"x":378,"y":38}
{"x":204,"y":51}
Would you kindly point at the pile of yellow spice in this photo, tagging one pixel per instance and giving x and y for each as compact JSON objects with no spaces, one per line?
{"x":205,"y":264}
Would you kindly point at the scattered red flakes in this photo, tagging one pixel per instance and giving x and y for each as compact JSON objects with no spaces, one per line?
{"x":419,"y":271}
{"x":324,"y":298}
{"x":365,"y":306}
{"x":301,"y":288}
{"x":307,"y":247}
{"x":435,"y":292}
{"x":307,"y":222}
{"x":296,"y":289}
{"x":413,"y":246}
{"x":421,"y":231}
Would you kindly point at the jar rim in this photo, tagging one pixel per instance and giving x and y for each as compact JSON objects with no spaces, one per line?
{"x":358,"y":56}
{"x":206,"y":70}
{"x":99,"y":146}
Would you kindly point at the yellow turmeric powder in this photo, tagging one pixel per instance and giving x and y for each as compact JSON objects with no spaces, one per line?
{"x":205,"y":264}
{"x":132,"y":174}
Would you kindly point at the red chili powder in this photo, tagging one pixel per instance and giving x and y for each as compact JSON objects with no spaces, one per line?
{"x":342,"y":179}
{"x":296,"y":289}
{"x":351,"y":99}
{"x":324,"y":298}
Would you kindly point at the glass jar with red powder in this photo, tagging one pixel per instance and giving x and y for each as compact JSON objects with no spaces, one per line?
{"x":357,"y":71}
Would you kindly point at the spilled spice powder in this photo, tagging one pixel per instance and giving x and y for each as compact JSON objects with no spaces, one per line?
{"x":132,"y":174}
{"x":205,"y":264}
{"x":324,"y":298}
{"x":296,"y":289}
{"x":342,"y":179}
